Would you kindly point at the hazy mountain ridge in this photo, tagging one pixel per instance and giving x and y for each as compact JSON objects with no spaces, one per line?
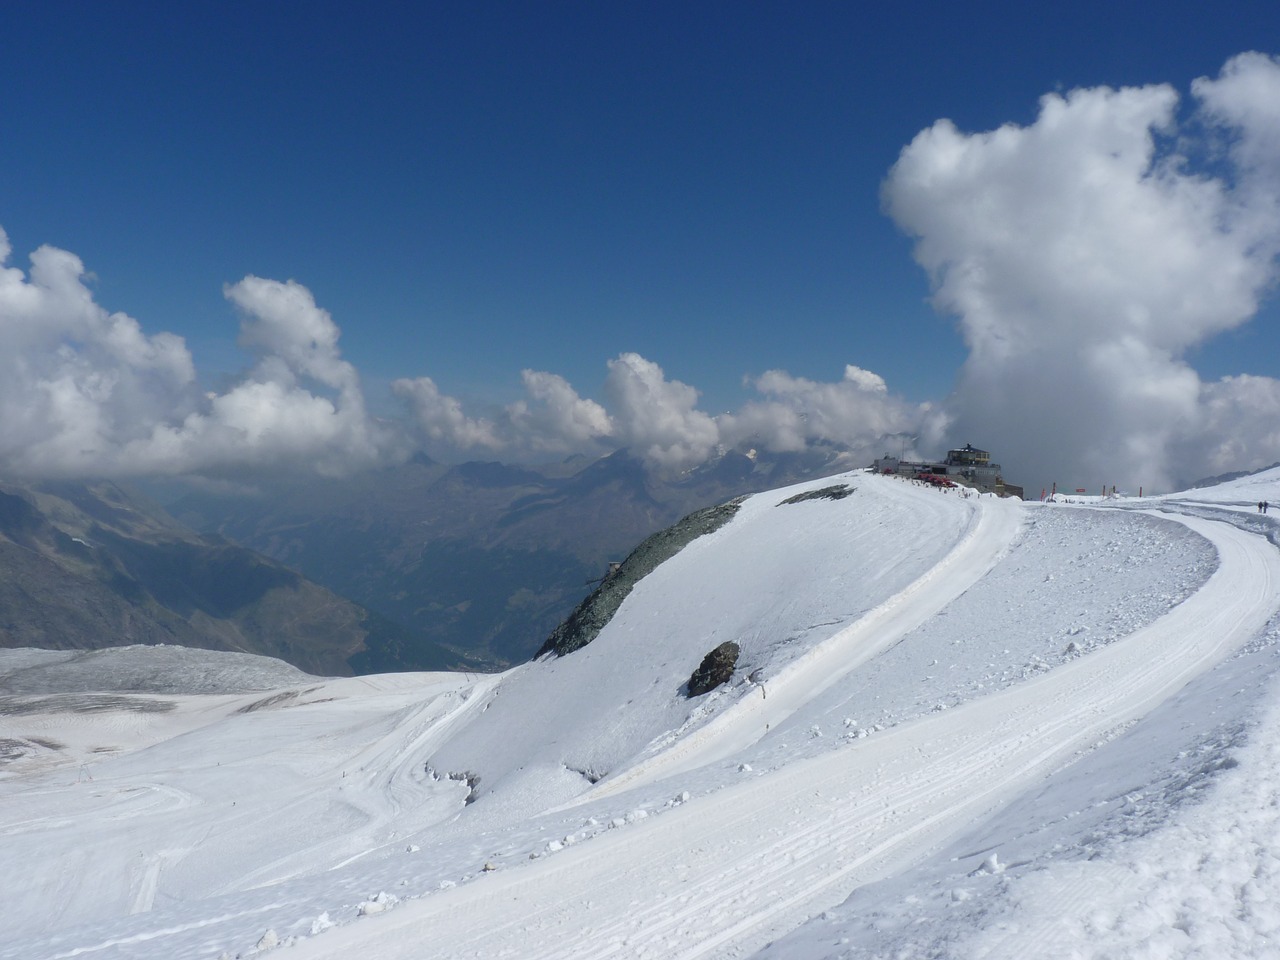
{"x":88,"y":566}
{"x":483,"y":558}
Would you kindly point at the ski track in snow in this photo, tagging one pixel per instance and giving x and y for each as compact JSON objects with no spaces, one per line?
{"x":723,"y":875}
{"x":196,"y":827}
{"x":988,"y":537}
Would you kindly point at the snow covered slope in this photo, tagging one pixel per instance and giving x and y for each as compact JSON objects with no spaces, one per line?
{"x":958,"y":727}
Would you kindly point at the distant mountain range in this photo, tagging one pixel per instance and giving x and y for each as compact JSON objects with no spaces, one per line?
{"x":483,"y":559}
{"x":423,"y":566}
{"x":88,"y":566}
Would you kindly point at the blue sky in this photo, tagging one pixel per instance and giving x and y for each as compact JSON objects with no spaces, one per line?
{"x":471,"y":190}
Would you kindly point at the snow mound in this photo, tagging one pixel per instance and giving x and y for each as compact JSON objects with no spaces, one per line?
{"x":143,"y":669}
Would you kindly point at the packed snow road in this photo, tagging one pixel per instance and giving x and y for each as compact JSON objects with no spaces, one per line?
{"x":725,"y":873}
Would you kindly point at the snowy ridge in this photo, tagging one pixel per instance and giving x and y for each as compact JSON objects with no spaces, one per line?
{"x":826,"y":662}
{"x":963,"y":701}
{"x":841,"y":826}
{"x":778,"y":579}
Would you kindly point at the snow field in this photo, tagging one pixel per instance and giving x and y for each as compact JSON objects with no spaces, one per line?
{"x":229,"y":800}
{"x":1053,"y":636}
{"x":732,"y":870}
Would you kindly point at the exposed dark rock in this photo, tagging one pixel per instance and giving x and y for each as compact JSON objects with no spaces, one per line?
{"x":282,"y":699}
{"x":587,"y":773}
{"x":716,"y":668}
{"x":838,"y":492}
{"x":590,"y":616}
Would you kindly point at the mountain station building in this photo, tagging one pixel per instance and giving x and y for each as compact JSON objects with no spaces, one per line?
{"x":968,"y":466}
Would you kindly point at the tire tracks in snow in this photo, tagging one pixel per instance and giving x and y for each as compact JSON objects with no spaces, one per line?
{"x":724,"y":874}
{"x":383,"y":783}
{"x":992,"y":530}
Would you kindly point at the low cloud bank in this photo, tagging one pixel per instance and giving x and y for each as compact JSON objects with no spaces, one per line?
{"x":1083,"y":255}
{"x":658,"y":419}
{"x":84,"y":392}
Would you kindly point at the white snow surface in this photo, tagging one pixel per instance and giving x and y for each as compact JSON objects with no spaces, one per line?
{"x":958,"y":727}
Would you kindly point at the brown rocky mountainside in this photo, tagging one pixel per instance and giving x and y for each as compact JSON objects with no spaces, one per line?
{"x":89,"y":566}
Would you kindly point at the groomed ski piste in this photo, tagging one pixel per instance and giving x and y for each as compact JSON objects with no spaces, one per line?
{"x":958,"y":727}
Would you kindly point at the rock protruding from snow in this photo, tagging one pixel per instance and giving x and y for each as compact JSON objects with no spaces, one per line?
{"x":837,"y":492}
{"x":591,"y":616}
{"x":716,"y":668}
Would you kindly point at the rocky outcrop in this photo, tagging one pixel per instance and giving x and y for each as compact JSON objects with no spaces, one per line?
{"x":716,"y":668}
{"x":837,"y":492}
{"x":590,"y":616}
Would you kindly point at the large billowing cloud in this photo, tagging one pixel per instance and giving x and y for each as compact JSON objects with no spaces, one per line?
{"x":1085,"y":255}
{"x":75,"y":381}
{"x":440,"y":419}
{"x":551,"y":419}
{"x":301,"y":403}
{"x":659,"y":421}
{"x":554,"y":419}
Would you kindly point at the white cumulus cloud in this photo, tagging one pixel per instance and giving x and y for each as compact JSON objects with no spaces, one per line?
{"x":84,"y":392}
{"x":76,"y":382}
{"x":441,"y":420}
{"x":656,"y":417}
{"x":1085,"y":254}
{"x":855,"y":411}
{"x":554,"y":419}
{"x":300,"y":404}
{"x":659,"y":421}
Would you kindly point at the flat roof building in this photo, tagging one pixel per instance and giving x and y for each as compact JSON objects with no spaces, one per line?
{"x":967,"y":465}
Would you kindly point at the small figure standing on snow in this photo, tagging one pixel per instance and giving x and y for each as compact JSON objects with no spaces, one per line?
{"x":1260,"y":506}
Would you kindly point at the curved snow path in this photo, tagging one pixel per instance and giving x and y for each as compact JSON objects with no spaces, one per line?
{"x":726,"y":873}
{"x":383,"y":782}
{"x":991,"y":531}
